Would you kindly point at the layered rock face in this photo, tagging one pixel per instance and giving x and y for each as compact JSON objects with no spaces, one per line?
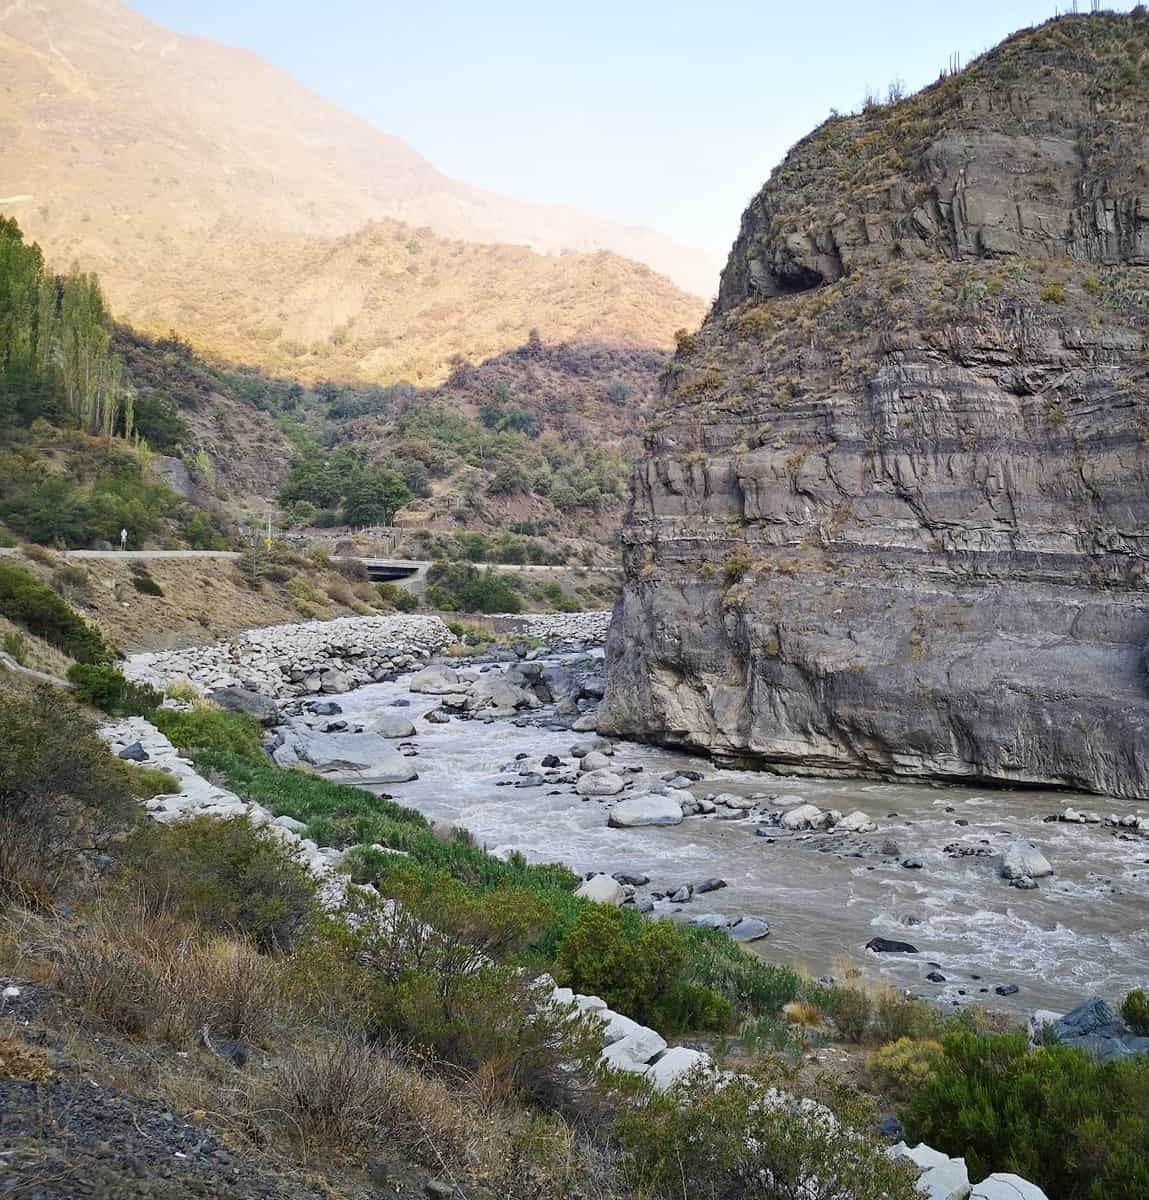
{"x":894,"y":510}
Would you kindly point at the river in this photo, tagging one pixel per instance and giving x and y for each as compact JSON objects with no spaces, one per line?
{"x":1084,"y":931}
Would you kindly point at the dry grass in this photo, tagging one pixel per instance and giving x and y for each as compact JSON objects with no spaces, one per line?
{"x":804,"y":1013}
{"x":152,"y":976}
{"x":19,"y":1061}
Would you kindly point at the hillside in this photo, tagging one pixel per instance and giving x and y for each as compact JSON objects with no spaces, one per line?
{"x":892,"y":517}
{"x":180,"y":169}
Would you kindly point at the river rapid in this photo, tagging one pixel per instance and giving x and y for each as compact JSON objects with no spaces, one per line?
{"x":1084,"y":931}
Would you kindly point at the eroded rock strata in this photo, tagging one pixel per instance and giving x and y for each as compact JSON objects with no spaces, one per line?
{"x":893,"y":512}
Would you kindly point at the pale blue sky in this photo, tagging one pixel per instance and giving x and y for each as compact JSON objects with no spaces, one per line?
{"x":668,"y":114}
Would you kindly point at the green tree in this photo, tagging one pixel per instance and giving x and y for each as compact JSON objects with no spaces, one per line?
{"x":374,"y":498}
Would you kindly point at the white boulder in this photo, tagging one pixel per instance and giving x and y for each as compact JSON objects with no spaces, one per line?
{"x":1024,"y":858}
{"x":594,"y":761}
{"x":646,"y":810}
{"x":947,"y":1181}
{"x":673,"y":1065}
{"x":1004,"y":1186}
{"x":599,"y":783}
{"x":805,"y":816}
{"x":435,"y":681}
{"x":602,"y":890}
{"x":856,"y":822}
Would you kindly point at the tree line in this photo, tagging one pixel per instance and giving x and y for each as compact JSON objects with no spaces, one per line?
{"x":56,"y":356}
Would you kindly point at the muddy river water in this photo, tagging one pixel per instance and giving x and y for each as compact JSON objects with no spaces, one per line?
{"x":1085,"y":930}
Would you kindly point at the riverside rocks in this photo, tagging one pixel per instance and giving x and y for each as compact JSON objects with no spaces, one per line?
{"x":645,"y":810}
{"x":943,"y":1178}
{"x":1023,"y":860}
{"x":602,"y":889}
{"x":287,"y":661}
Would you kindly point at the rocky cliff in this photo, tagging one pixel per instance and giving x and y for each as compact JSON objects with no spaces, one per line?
{"x":893,"y":512}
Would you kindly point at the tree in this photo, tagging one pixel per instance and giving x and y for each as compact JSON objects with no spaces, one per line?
{"x":374,"y":498}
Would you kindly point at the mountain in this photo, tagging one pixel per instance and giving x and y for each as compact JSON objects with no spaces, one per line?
{"x":153,"y":157}
{"x":893,"y":513}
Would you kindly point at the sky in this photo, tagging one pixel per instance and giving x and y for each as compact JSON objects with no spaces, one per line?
{"x":663,"y":113}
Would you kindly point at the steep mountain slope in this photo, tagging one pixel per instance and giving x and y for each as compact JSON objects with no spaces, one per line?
{"x":390,"y":303}
{"x":894,"y":511}
{"x":124,"y":143}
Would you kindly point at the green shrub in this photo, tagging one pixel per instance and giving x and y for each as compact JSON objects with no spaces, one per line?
{"x":716,"y":1141}
{"x":1135,"y":1010}
{"x":850,"y":1009}
{"x":28,"y":602}
{"x":900,"y":1068}
{"x":1054,"y":293}
{"x":211,"y":729}
{"x":462,"y":587}
{"x":641,"y":968}
{"x":144,"y":583}
{"x":16,"y":646}
{"x":61,"y":792}
{"x":106,"y":688}
{"x":226,"y":876}
{"x":1076,"y":1128}
{"x":397,"y":597}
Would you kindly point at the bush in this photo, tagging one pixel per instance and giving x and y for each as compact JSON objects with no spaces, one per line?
{"x":153,"y":975}
{"x":850,"y":1009}
{"x":16,"y":646}
{"x":211,"y":729}
{"x":1054,"y":293}
{"x":28,"y":602}
{"x":717,"y":1141}
{"x":1135,"y":1010}
{"x":462,"y":587}
{"x":226,"y":876}
{"x":640,"y":968}
{"x":397,"y":597}
{"x":60,"y":792}
{"x":900,"y":1068}
{"x":106,"y":688}
{"x":1076,"y":1128}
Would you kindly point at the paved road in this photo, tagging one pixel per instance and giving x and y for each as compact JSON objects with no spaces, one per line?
{"x":397,"y":564}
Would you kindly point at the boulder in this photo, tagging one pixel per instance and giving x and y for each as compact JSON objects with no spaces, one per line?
{"x":1004,"y":1186}
{"x":946,"y":1181}
{"x":805,"y":816}
{"x":134,"y":753}
{"x":392,"y":725}
{"x":921,"y":1155}
{"x":856,"y":822}
{"x":434,"y":681}
{"x":601,"y":783}
{"x":263,"y":709}
{"x":363,"y":759}
{"x":673,"y":1065}
{"x":1095,"y":1027}
{"x":642,"y":810}
{"x":1023,"y":860}
{"x":594,"y":761}
{"x":587,"y":723}
{"x":881,"y":945}
{"x":602,"y":889}
{"x":635,"y":1050}
{"x":749,"y":929}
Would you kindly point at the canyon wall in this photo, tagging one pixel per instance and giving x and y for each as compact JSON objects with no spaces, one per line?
{"x":893,"y":512}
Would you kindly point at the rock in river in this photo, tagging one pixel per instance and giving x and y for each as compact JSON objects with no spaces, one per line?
{"x":359,"y":758}
{"x":602,"y":783}
{"x":881,"y":945}
{"x":644,"y":810}
{"x":1024,"y":859}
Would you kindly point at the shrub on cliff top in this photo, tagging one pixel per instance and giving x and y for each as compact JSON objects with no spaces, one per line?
{"x":1077,"y":1128}
{"x":101,"y":685}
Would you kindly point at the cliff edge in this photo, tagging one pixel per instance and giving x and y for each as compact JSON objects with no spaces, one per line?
{"x":893,"y":511}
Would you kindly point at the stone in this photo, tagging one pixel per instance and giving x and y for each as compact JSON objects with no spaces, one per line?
{"x":749,"y":929}
{"x":936,"y":977}
{"x":1024,"y":860}
{"x":856,"y":822}
{"x":262,"y":708}
{"x":920,"y":1155}
{"x":587,"y":723}
{"x":1024,"y":884}
{"x":134,"y":753}
{"x":1004,"y":1186}
{"x":438,"y":1189}
{"x":946,"y":1181}
{"x":805,"y":816}
{"x":634,"y":1050}
{"x":676,"y":1063}
{"x":709,"y":885}
{"x":643,"y":810}
{"x":912,"y":864}
{"x":881,"y":945}
{"x":325,"y":708}
{"x":363,"y":759}
{"x":602,"y":890}
{"x":436,"y":717}
{"x":1095,"y":1027}
{"x":391,"y":725}
{"x":1006,"y":989}
{"x":600,"y":783}
{"x":594,"y":761}
{"x":434,"y":681}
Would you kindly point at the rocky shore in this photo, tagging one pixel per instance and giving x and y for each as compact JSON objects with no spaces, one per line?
{"x":307,"y":659}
